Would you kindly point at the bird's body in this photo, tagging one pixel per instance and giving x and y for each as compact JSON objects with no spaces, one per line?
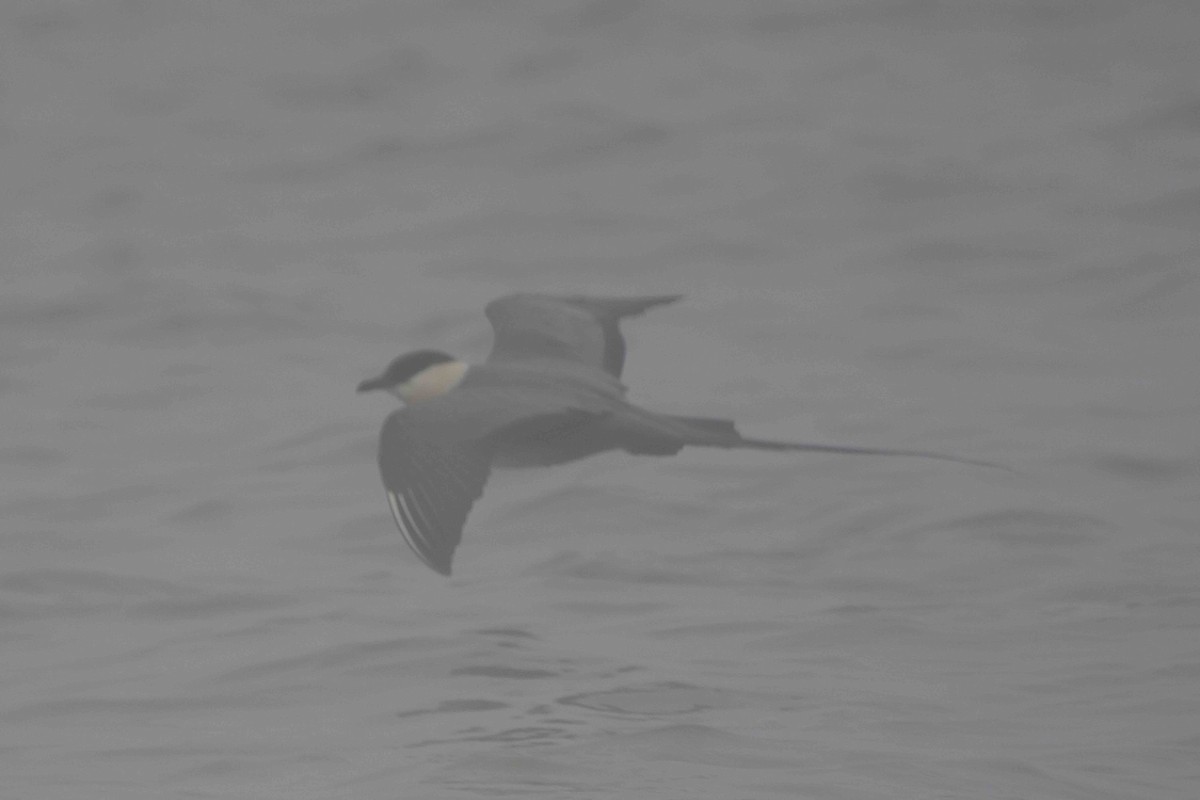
{"x":549,"y":393}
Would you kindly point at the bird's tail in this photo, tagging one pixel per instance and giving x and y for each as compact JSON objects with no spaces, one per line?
{"x":707,"y":432}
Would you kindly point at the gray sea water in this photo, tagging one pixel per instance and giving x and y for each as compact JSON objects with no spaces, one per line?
{"x":971,"y":227}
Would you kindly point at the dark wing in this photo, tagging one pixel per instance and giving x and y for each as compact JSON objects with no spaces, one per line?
{"x":581,"y":329}
{"x":431,"y":486}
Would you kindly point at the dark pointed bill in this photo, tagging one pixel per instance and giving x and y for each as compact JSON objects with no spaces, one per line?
{"x":371,"y":384}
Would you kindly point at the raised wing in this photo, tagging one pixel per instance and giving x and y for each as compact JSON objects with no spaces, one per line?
{"x":431,"y":486}
{"x":584,"y":330}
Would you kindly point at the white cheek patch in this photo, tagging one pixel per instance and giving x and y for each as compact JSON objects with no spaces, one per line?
{"x":433,"y":381}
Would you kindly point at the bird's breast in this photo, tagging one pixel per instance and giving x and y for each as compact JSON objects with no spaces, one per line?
{"x":552,"y":439}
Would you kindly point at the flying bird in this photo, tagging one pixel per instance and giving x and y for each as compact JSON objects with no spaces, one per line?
{"x":548,"y":393}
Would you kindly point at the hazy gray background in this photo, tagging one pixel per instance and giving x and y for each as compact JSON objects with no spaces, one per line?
{"x":966,"y":226}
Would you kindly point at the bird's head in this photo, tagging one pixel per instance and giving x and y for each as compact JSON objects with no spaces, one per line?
{"x":419,"y":375}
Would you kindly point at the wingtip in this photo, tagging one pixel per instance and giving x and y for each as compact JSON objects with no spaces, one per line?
{"x":663,"y":299}
{"x":623,"y":307}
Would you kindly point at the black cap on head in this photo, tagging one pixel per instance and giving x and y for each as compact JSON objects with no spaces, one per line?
{"x":403,"y":368}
